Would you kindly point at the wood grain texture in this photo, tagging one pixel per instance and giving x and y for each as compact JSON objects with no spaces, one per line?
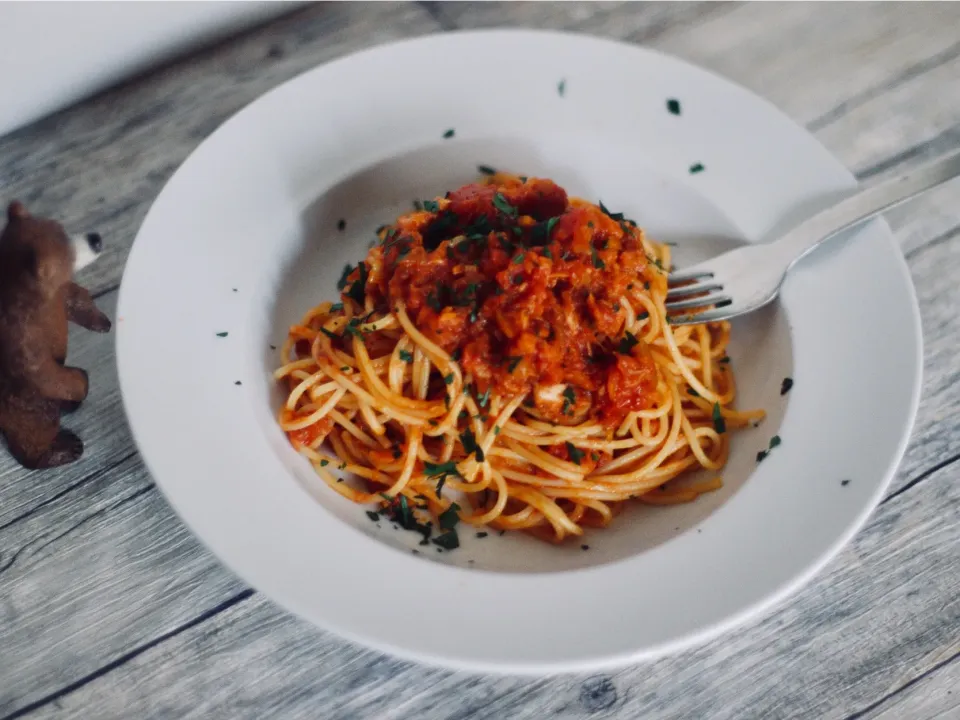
{"x":111,"y":609}
{"x":254,"y":661}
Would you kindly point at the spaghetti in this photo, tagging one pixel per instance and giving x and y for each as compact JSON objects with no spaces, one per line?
{"x":503,"y":357}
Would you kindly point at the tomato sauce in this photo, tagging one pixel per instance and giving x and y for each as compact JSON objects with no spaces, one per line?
{"x":524,"y":287}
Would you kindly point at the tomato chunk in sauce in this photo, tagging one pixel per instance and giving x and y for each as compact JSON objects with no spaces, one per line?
{"x":526,"y":288}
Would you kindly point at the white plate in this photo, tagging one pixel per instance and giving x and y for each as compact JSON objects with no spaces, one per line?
{"x":244,"y":238}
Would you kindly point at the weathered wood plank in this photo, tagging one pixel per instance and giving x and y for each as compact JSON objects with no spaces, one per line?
{"x":820,"y":656}
{"x":103,"y":568}
{"x":99,"y":165}
{"x":102,"y":586}
{"x":935,"y":696}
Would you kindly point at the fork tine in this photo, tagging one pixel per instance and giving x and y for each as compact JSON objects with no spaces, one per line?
{"x":699,"y":318}
{"x":715,"y":299}
{"x":687,"y":275}
{"x":675,"y":293}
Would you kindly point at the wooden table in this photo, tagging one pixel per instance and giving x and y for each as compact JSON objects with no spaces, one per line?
{"x":109,"y":608}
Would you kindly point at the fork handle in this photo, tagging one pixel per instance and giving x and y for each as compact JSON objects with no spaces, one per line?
{"x":866,"y":204}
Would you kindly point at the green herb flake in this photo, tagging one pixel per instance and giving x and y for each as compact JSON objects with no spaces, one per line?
{"x":484,"y":399}
{"x":597,"y":262}
{"x":448,"y":379}
{"x":482,"y":534}
{"x":373,"y":516}
{"x":431,"y":206}
{"x":503,"y":205}
{"x":449,"y":134}
{"x":576,"y":454}
{"x":324,"y":463}
{"x":611,"y":215}
{"x":222,"y":334}
{"x":518,"y":259}
{"x":406,"y":356}
{"x":761,"y":455}
{"x":336,"y":307}
{"x":775,"y":441}
{"x":627,"y":343}
{"x":547,"y":254}
{"x":673,"y":106}
{"x":357,"y":290}
{"x":693,"y":392}
{"x":696,"y":168}
{"x":786,"y":385}
{"x":329,"y":334}
{"x":514,"y":360}
{"x":448,"y":541}
{"x":496,"y":429}
{"x":486,"y":170}
{"x":719,"y":424}
{"x":470,"y":445}
{"x":561,"y":87}
{"x":449,"y":517}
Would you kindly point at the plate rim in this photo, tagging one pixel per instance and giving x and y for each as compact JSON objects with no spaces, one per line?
{"x":761,"y":606}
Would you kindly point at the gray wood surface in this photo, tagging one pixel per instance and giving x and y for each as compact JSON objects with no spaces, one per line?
{"x":109,"y":608}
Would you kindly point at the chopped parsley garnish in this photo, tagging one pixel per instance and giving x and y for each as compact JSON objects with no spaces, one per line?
{"x":503,"y":205}
{"x":397,"y":453}
{"x":786,"y":385}
{"x":431,"y":206}
{"x":448,"y":541}
{"x":482,"y":534}
{"x":643,"y":316}
{"x":696,"y":168}
{"x":693,"y":392}
{"x":547,"y":254}
{"x":324,"y":463}
{"x":373,"y":516}
{"x":761,"y":455}
{"x":611,"y":215}
{"x":486,"y":170}
{"x":518,"y":279}
{"x":627,"y":343}
{"x":576,"y":454}
{"x":469,"y":441}
{"x":673,"y":106}
{"x":569,"y":397}
{"x":342,"y":282}
{"x":449,"y":517}
{"x":496,"y":429}
{"x":441,"y":471}
{"x":449,"y":134}
{"x":514,"y":360}
{"x":406,"y":356}
{"x":561,"y":87}
{"x":584,"y":547}
{"x":222,"y":334}
{"x":341,"y":225}
{"x":597,"y":262}
{"x":719,"y":424}
{"x":329,"y":334}
{"x":724,"y":360}
{"x":336,"y":307}
{"x":775,"y":441}
{"x":518,"y":259}
{"x":844,"y":483}
{"x":448,"y":379}
{"x":484,"y":399}
{"x":418,"y":206}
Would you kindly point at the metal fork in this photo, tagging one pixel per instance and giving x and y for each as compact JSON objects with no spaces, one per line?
{"x":749,"y":277}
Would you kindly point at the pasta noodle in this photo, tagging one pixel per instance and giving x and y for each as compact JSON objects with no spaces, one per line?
{"x":503,"y":358}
